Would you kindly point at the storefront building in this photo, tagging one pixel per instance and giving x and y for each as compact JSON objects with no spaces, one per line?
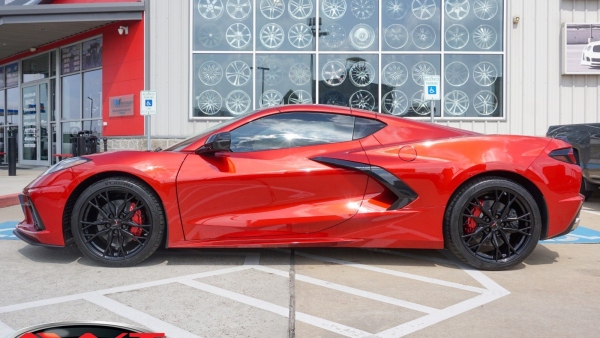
{"x":500,"y":63}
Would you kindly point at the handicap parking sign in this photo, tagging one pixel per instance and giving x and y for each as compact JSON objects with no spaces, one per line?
{"x":147,"y":102}
{"x":431,"y":85}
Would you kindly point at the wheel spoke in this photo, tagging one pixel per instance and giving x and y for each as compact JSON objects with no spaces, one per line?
{"x":91,"y":224}
{"x":496,"y":246}
{"x":121,"y":243}
{"x":476,"y":232}
{"x":496,"y":204}
{"x":132,"y":236}
{"x":484,"y":239}
{"x":99,"y":233}
{"x":123,"y":205}
{"x":102,"y":213}
{"x":132,"y":212}
{"x":507,"y":241}
{"x":108,"y":244}
{"x":486,"y":212}
{"x":519,"y":231}
{"x":507,"y":207}
{"x":520,"y":219}
{"x":475,"y":218}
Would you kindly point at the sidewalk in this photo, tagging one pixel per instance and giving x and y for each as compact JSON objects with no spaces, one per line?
{"x":11,"y":186}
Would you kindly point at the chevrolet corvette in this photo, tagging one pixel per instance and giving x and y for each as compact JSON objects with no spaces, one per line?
{"x":312,"y":176}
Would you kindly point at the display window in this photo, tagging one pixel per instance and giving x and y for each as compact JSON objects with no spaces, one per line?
{"x":365,"y":54}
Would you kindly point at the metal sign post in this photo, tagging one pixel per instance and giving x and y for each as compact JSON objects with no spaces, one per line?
{"x":431,"y":90}
{"x":148,"y":108}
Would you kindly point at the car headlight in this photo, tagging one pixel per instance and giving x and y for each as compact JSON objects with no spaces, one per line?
{"x":65,"y":164}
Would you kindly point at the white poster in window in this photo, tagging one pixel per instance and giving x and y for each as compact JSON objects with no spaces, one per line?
{"x":581,"y":48}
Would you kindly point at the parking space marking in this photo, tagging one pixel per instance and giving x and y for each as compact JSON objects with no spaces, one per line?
{"x":277,"y":309}
{"x":449,"y":312}
{"x":395,"y":273}
{"x":5,"y":330}
{"x":591,"y":212}
{"x":125,"y":288}
{"x":6,"y":230}
{"x":432,"y":316}
{"x":352,"y":291}
{"x":581,"y":235}
{"x":153,"y":323}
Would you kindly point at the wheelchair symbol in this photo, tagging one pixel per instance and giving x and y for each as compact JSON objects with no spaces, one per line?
{"x":431,"y":89}
{"x":148,"y":103}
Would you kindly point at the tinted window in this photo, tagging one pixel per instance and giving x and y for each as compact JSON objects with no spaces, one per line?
{"x":597,"y":49}
{"x":290,"y":130}
{"x":365,"y":127}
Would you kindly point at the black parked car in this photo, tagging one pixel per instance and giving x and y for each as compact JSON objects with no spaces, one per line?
{"x":585,"y":139}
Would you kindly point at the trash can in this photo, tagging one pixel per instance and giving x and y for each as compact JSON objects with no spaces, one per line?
{"x":84,"y":143}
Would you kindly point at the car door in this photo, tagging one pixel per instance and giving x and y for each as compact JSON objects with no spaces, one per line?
{"x":270,"y":184}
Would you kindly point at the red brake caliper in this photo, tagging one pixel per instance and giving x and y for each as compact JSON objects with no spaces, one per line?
{"x":137,"y":219}
{"x":471,"y":224}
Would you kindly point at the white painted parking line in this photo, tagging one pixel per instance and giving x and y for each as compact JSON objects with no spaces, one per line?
{"x":5,"y":330}
{"x":280,"y":310}
{"x":352,"y":291}
{"x":125,"y":288}
{"x":591,"y":212}
{"x":434,"y":318}
{"x":153,"y":323}
{"x":394,"y":273}
{"x":431,"y":315}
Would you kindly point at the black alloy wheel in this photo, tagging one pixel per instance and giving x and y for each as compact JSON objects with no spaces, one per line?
{"x":492,"y":224}
{"x":118,"y":222}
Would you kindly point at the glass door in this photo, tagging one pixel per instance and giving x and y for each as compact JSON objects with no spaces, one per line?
{"x":35,"y":142}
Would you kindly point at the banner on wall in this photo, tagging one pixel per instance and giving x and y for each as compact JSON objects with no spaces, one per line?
{"x":581,"y":48}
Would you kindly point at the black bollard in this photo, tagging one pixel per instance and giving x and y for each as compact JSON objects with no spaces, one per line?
{"x":105,"y":142}
{"x":12,"y":152}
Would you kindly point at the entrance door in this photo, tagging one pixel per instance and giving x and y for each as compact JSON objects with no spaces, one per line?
{"x":35,"y":143}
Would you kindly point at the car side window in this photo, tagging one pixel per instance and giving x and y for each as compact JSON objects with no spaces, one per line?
{"x":364,"y":127}
{"x":289,"y":130}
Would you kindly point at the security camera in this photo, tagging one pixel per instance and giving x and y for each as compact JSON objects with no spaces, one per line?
{"x":123,"y":30}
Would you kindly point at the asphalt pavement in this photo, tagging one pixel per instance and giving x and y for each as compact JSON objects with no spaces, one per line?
{"x":311,"y":292}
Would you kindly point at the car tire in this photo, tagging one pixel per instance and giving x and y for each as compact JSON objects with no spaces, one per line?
{"x":118,"y":222}
{"x":492,"y":223}
{"x":587,"y":193}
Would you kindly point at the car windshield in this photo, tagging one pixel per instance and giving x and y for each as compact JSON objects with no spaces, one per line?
{"x":597,"y":49}
{"x":181,"y":145}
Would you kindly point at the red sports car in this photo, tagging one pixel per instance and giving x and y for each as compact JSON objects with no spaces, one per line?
{"x":312,"y":175}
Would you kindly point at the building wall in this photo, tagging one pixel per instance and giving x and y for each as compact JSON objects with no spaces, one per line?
{"x":169,"y":41}
{"x":537,"y":94}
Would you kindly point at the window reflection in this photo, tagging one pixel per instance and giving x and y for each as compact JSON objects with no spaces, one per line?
{"x":291,"y":130}
{"x":92,"y":94}
{"x":71,"y":97}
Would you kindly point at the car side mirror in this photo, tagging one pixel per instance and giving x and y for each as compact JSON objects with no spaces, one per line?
{"x":215,"y":143}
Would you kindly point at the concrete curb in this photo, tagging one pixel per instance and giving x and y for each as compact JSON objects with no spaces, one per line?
{"x":9,"y":200}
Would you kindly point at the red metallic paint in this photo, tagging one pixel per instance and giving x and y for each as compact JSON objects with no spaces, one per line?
{"x":281,"y":198}
{"x":268,"y":193}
